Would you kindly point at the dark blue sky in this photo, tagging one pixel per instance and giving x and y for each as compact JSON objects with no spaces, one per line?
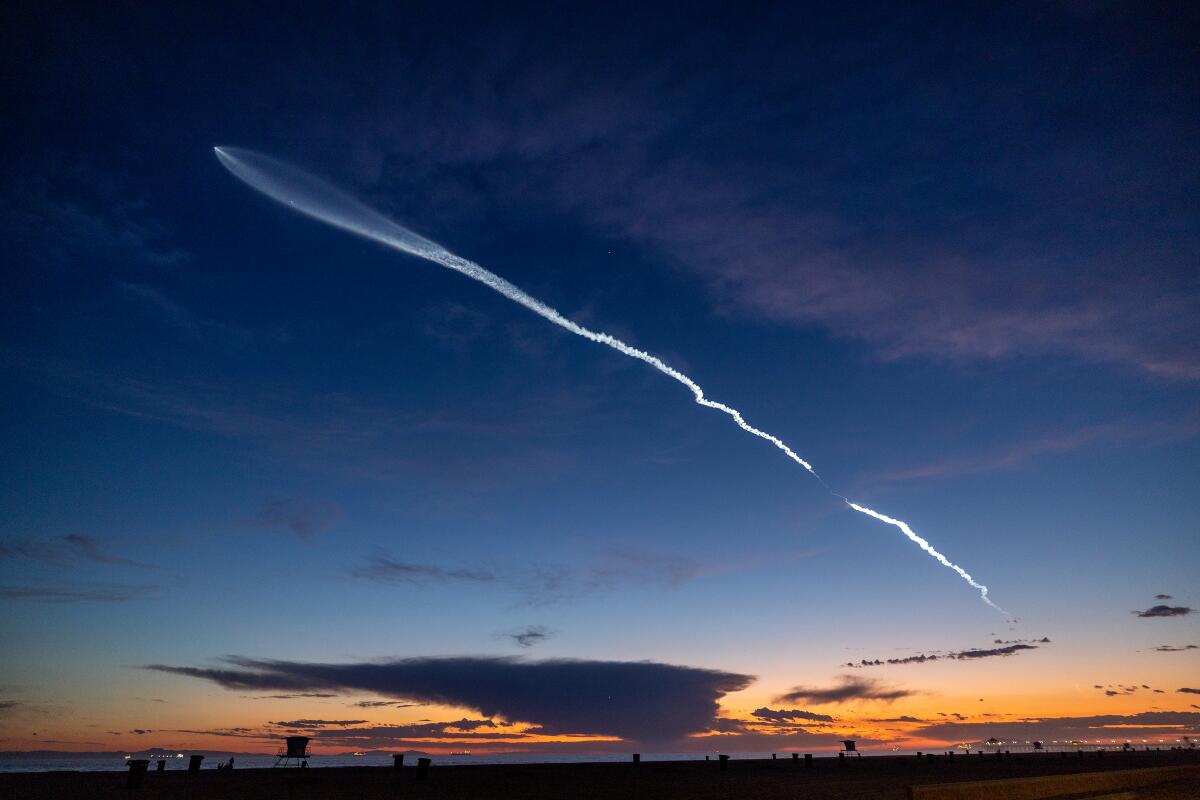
{"x":948,"y":253}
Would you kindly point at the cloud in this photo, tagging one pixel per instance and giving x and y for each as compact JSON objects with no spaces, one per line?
{"x":541,"y":584}
{"x":74,"y":213}
{"x":288,"y":696}
{"x":961,"y":655}
{"x":384,"y":704}
{"x":1012,"y":455}
{"x":905,"y":718}
{"x":1113,"y":690}
{"x":789,"y":715}
{"x":1187,"y":690}
{"x":849,"y":687}
{"x":1166,"y":648}
{"x":237,"y":733}
{"x":382,"y":568}
{"x":317,"y":723}
{"x":38,"y":594}
{"x":192,"y":325}
{"x":1163,"y":597}
{"x":141,"y":731}
{"x":302,"y":517}
{"x":528,"y":637}
{"x":963,"y":277}
{"x":1164,"y":611}
{"x":72,"y":547}
{"x":1144,"y":724}
{"x":391,"y":735}
{"x":641,"y":700}
{"x":89,"y":547}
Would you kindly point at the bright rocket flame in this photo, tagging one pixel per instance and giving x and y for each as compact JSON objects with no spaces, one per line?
{"x":315,"y":198}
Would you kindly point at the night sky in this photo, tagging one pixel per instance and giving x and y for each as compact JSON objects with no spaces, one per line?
{"x":260,"y":475}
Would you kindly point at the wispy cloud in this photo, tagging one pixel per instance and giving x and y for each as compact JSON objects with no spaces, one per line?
{"x":41,"y":594}
{"x":190,"y":324}
{"x":73,"y":546}
{"x":540,"y":584}
{"x":849,"y":687}
{"x":1146,"y":723}
{"x":71,"y":211}
{"x":1167,"y":648}
{"x":530,"y":636}
{"x":1118,"y":689}
{"x":1013,"y":454}
{"x":302,"y":517}
{"x":789,"y":715}
{"x":379,"y":567}
{"x":945,"y":281}
{"x":1003,"y":650}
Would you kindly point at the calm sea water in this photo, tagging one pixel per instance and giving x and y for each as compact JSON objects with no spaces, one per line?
{"x":108,"y":763}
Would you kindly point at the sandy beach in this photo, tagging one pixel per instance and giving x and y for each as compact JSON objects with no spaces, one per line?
{"x":828,"y":779}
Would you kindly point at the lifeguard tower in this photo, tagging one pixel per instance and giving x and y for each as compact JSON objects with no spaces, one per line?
{"x":297,"y":750}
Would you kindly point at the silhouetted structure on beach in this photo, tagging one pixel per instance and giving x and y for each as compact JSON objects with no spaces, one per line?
{"x":297,"y":750}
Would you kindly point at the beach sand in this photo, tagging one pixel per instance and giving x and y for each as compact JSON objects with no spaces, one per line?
{"x":829,"y":779}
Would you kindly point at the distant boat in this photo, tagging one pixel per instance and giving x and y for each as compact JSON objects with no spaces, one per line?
{"x":358,"y":754}
{"x":461,"y":753}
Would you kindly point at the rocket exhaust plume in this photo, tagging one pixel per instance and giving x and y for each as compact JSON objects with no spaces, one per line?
{"x":315,"y":198}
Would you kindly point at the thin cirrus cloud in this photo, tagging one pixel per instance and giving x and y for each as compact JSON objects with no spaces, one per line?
{"x":643,"y":701}
{"x":71,"y":547}
{"x":539,"y":584}
{"x":380,"y":567}
{"x":1014,"y":454}
{"x":849,"y":687}
{"x":299,"y":516}
{"x":193,"y":326}
{"x":44,"y":594}
{"x":909,"y":289}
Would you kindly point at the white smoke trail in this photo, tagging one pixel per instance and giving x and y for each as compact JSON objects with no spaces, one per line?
{"x":315,"y":198}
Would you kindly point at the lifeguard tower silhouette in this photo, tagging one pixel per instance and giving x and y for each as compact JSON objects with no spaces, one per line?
{"x":297,"y":749}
